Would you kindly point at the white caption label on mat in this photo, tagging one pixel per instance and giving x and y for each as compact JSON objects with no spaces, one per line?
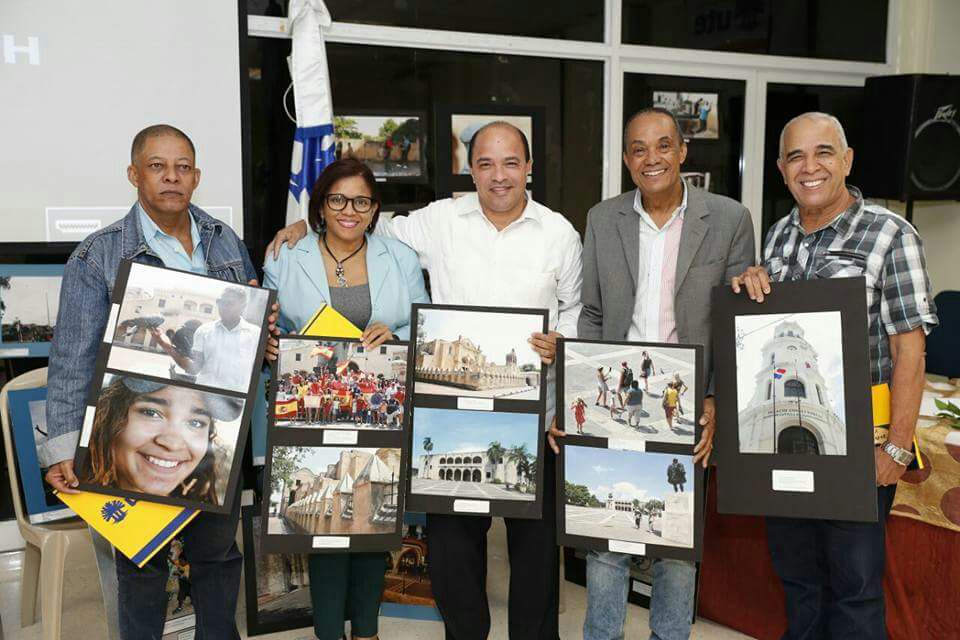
{"x":793,"y":480}
{"x":642,"y":588}
{"x":87,"y":429}
{"x":331,"y":542}
{"x":111,"y":323}
{"x":471,"y":506}
{"x":624,"y":444}
{"x":14,"y":353}
{"x":633,"y":548}
{"x":475,"y":404}
{"x":339,"y":436}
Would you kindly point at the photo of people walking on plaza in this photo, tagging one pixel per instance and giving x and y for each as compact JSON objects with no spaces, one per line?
{"x":644,"y":393}
{"x":389,"y":144}
{"x":28,"y":307}
{"x":181,"y":326}
{"x":477,"y":353}
{"x":333,"y":490}
{"x":697,"y":113}
{"x":634,"y":496}
{"x":485,"y":455}
{"x":790,"y":395}
{"x":159,"y":439}
{"x":339,"y":384}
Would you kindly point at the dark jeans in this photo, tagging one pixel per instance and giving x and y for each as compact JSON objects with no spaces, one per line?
{"x":215,"y":564}
{"x":458,"y":570}
{"x":832,"y":574}
{"x":346,"y":586}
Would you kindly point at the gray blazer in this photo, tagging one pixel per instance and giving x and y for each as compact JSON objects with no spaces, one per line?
{"x":716,"y":244}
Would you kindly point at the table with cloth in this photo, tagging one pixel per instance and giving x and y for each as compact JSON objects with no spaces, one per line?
{"x":740,"y":589}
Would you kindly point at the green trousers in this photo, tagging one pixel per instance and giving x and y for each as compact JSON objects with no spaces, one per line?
{"x":346,"y":586}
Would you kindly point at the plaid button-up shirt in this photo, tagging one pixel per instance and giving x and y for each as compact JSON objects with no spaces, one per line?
{"x":865,"y":240}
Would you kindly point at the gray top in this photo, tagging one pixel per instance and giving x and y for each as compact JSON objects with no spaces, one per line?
{"x":353,"y":303}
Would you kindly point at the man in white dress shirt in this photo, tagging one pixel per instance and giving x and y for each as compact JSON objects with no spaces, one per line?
{"x":223,"y":350}
{"x":498,"y":248}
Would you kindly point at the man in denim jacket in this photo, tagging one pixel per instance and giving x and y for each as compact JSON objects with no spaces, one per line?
{"x":162,"y":229}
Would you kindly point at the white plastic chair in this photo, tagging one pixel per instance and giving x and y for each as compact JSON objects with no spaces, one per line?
{"x":47,"y":545}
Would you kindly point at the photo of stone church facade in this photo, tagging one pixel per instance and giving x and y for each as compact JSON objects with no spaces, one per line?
{"x":790,"y":410}
{"x":461,"y":363}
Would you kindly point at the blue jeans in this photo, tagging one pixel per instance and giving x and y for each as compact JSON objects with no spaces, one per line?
{"x":215,"y":564}
{"x":671,"y":602}
{"x":832,"y":574}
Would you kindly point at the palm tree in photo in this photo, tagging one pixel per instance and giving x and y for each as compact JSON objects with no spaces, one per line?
{"x":427,"y":444}
{"x":519,"y":456}
{"x":495,"y":453}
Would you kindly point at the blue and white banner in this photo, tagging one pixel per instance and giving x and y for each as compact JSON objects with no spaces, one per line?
{"x":313,"y":142}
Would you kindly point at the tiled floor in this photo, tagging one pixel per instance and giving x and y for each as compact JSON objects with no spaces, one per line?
{"x":83,"y":606}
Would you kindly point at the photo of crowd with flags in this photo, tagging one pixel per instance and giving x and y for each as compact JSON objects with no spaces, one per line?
{"x":339,"y":385}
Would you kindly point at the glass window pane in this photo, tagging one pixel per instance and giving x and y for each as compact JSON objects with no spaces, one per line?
{"x":569,"y":93}
{"x":714,"y":142}
{"x":784,"y":101}
{"x":849,"y":30}
{"x":565,"y":19}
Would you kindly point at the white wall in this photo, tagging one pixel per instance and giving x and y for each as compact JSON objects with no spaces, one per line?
{"x":930,"y":43}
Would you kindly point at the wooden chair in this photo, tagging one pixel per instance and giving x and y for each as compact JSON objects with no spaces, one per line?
{"x":46,"y":547}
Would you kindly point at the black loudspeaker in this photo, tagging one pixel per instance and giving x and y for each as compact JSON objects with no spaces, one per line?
{"x":911,"y":138}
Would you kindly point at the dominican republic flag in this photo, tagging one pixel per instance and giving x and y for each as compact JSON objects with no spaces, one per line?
{"x":313,"y":143}
{"x":778,"y":373}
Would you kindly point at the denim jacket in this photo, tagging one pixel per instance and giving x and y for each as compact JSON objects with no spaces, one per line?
{"x":88,"y":280}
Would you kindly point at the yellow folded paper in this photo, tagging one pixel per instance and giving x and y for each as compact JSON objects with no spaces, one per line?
{"x":327,"y":321}
{"x":137,"y":528}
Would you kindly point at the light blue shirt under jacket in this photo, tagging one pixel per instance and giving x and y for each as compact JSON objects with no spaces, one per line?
{"x":169,"y":249}
{"x":300,"y":278}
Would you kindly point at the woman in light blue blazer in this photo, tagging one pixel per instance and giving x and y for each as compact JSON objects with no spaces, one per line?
{"x":372,"y":281}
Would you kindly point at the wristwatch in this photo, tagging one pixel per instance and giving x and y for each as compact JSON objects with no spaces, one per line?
{"x":900,"y":456}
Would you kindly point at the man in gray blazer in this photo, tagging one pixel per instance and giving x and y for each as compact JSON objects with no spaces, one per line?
{"x":650,"y":259}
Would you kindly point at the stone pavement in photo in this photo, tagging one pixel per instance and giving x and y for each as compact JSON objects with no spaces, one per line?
{"x":468,"y":490}
{"x":580,"y":381}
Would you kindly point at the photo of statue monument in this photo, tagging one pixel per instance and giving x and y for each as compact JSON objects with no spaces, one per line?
{"x":790,"y":396}
{"x":477,"y":354}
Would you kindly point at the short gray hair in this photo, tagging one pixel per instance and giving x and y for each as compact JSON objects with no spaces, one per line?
{"x":822,"y":117}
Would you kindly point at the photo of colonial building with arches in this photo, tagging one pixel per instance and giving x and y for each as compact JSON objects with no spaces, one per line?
{"x":477,"y":353}
{"x":333,"y":490}
{"x":477,"y":454}
{"x":790,"y":384}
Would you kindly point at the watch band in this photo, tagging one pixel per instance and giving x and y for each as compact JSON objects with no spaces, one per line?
{"x":899,"y":455}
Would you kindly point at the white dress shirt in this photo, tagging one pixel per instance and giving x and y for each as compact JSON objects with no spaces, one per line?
{"x":533,"y":262}
{"x":226,"y":354}
{"x":653,"y":319}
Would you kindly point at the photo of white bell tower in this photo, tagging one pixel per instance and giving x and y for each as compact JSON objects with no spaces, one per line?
{"x":790,"y":411}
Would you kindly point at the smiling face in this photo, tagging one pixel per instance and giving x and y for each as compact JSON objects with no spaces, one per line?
{"x":164,"y":174}
{"x":166,"y":436}
{"x":348,"y":224}
{"x":500,"y":169}
{"x":814,"y":164}
{"x":654,"y":153}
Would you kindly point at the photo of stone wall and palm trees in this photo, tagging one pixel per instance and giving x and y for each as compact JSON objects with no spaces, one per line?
{"x":28,"y":308}
{"x":484,"y":455}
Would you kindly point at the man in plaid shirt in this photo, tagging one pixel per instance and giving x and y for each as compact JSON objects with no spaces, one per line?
{"x":832,"y":571}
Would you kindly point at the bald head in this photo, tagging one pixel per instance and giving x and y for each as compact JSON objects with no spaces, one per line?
{"x":815,"y":116}
{"x":494,"y":127}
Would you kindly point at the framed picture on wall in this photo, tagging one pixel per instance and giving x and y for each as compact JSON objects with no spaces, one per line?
{"x":793,"y":384}
{"x":455,"y":126}
{"x":29,"y":302}
{"x":392,"y":143}
{"x":697,"y":113}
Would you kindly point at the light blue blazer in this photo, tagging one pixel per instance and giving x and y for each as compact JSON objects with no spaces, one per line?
{"x":300,"y":279}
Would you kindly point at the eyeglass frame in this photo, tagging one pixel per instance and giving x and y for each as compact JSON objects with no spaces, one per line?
{"x":351,"y":201}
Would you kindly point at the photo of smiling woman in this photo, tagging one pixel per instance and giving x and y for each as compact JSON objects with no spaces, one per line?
{"x":162,"y":440}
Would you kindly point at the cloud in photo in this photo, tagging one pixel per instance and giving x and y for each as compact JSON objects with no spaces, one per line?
{"x":620,"y":491}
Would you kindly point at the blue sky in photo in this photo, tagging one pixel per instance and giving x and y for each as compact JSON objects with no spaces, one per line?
{"x":626,"y":474}
{"x":454,"y":430}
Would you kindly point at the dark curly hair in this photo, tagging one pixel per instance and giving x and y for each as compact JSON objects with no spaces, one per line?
{"x":336,"y":171}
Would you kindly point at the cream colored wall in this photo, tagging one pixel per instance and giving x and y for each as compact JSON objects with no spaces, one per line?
{"x":930,"y":43}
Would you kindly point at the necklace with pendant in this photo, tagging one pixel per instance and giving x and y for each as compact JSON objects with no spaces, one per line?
{"x":339,"y":271}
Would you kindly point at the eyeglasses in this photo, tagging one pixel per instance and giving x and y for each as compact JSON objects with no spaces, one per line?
{"x":338,"y":202}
